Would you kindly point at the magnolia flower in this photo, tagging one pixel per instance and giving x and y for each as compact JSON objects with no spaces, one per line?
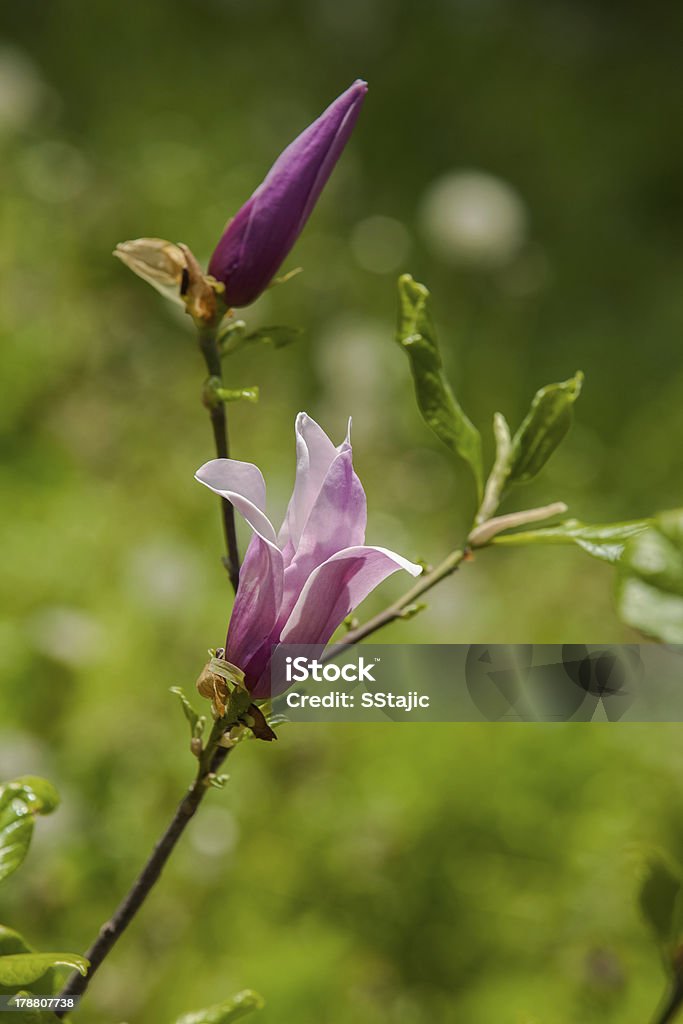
{"x":298,"y":586}
{"x":259,"y":237}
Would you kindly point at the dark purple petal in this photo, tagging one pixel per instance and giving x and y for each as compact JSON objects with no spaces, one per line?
{"x":260,"y":236}
{"x":257,"y":603}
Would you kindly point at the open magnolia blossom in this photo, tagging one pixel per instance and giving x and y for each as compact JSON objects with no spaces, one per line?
{"x":297,"y":586}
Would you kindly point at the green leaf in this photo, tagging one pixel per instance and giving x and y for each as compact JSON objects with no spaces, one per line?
{"x":650,"y":581}
{"x":497,"y":478}
{"x":224,"y":1013}
{"x":658,"y":897}
{"x":41,"y":794}
{"x":545,"y":425}
{"x":277,"y":336}
{"x":603,"y":541}
{"x":437,"y":403}
{"x":16,"y":829}
{"x":197,"y":723}
{"x":20,"y":800}
{"x":214,"y":394}
{"x":234,"y":336}
{"x":13,"y":942}
{"x":19,"y":969}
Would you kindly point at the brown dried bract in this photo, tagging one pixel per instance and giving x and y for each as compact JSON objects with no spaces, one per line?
{"x":214,"y":688}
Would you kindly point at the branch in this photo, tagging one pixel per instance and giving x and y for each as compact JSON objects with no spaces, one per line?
{"x":210,"y":762}
{"x":214,"y":754}
{"x":111,"y":931}
{"x":401,"y":609}
{"x":219,"y":424}
{"x":673,"y":1004}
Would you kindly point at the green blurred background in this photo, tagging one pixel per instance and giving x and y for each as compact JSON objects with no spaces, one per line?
{"x":525,"y":161}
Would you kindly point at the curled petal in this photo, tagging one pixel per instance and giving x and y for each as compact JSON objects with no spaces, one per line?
{"x":259,"y":595}
{"x":338,"y":586}
{"x":242,"y":484}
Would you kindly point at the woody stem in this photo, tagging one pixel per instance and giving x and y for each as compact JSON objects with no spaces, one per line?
{"x":208,"y":344}
{"x":210,"y":761}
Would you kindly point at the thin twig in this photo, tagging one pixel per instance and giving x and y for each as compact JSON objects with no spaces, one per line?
{"x":674,"y":1003}
{"x":213,"y":757}
{"x":483,"y":533}
{"x":219,"y":425}
{"x":114,"y":928}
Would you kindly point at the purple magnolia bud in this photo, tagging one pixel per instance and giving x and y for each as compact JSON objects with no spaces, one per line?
{"x":259,"y":237}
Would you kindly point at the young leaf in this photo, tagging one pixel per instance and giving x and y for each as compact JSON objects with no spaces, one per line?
{"x":249,"y":394}
{"x":224,"y":1013}
{"x":196,"y":722}
{"x":542,"y":429}
{"x":278,"y":336}
{"x":41,"y":795}
{"x":437,"y":403}
{"x":13,"y":942}
{"x":16,"y":829}
{"x":234,"y":336}
{"x":214,"y":394}
{"x":20,"y":800}
{"x":650,"y":582}
{"x":605,"y":541}
{"x":497,"y":478}
{"x":19,"y":969}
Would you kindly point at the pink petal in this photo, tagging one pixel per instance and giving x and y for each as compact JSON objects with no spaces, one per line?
{"x":333,"y":590}
{"x":314,"y":456}
{"x":242,"y":484}
{"x":338,"y":586}
{"x":337,"y":520}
